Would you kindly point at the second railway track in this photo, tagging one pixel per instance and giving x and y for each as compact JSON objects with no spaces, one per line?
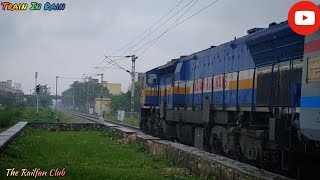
{"x":96,"y":119}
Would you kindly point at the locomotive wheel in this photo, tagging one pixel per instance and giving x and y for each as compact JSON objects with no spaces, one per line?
{"x":158,"y":129}
{"x":144,"y":125}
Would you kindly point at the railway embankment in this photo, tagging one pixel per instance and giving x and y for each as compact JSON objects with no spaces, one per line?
{"x":196,"y":161}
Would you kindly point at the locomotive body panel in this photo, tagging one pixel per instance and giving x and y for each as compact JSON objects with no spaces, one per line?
{"x":310,"y":98}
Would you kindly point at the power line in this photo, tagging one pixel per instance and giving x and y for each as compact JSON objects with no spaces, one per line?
{"x":159,"y":27}
{"x":116,"y":64}
{"x":141,"y":34}
{"x":108,"y":62}
{"x":172,"y":27}
{"x":154,"y":40}
{"x":68,"y":78}
{"x":163,"y":24}
{"x":168,"y":29}
{"x":149,"y":27}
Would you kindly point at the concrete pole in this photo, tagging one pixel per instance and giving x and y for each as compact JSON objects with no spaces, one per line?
{"x":57,"y":94}
{"x":133,"y":72}
{"x":35,"y":90}
{"x":73,"y":98}
{"x":101,"y":113}
{"x":88,"y":89}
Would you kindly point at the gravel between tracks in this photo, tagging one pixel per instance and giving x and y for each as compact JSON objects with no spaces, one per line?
{"x":76,"y":119}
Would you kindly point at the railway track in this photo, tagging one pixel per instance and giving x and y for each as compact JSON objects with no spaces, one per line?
{"x":96,"y":119}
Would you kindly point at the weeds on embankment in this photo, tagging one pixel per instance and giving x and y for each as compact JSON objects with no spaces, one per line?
{"x":11,"y":114}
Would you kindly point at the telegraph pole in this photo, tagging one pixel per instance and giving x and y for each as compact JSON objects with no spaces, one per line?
{"x":57,"y":94}
{"x":36,"y":92}
{"x":73,"y":98}
{"x":133,"y":73}
{"x":101,"y":113}
{"x":88,"y":89}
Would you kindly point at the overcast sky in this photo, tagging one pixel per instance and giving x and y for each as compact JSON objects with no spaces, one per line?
{"x":72,"y":42}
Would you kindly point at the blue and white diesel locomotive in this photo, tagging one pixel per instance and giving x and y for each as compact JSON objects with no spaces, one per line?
{"x":255,"y":98}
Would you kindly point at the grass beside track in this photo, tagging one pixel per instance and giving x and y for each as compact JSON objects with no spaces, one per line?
{"x":132,"y":121}
{"x":2,"y":129}
{"x":44,"y":115}
{"x":85,"y":155}
{"x":12,"y":115}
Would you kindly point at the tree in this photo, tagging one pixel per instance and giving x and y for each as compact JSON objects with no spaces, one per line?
{"x":123,"y":101}
{"x":120,"y":102}
{"x":45,"y":98}
{"x":80,"y":93}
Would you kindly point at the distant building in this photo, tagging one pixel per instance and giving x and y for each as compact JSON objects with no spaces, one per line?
{"x":6,"y":86}
{"x":114,"y":88}
{"x":17,"y":86}
{"x":9,"y":82}
{"x":105,"y":103}
{"x":94,"y":81}
{"x":9,"y":93}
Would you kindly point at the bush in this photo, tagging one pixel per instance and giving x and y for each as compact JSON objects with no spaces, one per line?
{"x":9,"y":114}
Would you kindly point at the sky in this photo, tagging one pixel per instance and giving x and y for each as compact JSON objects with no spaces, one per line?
{"x":72,"y":42}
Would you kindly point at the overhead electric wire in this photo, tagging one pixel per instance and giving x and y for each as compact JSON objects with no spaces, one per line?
{"x":142,"y":33}
{"x":154,"y":40}
{"x":117,"y":65}
{"x":159,"y":26}
{"x":172,"y":27}
{"x":61,"y":77}
{"x":162,"y":25}
{"x":168,"y":29}
{"x":149,"y":27}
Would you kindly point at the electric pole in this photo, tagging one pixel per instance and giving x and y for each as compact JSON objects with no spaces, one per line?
{"x":57,"y":94}
{"x":101,"y":113}
{"x":36,"y":93}
{"x":73,"y":97}
{"x":88,"y":89}
{"x":133,"y":73}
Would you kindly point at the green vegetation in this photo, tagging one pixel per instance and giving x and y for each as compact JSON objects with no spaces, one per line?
{"x":45,"y":114}
{"x":45,"y":99}
{"x":9,"y":114}
{"x":80,"y":92}
{"x":122,"y":101}
{"x":85,"y":155}
{"x":2,"y":129}
{"x":133,"y":121}
{"x":12,"y":114}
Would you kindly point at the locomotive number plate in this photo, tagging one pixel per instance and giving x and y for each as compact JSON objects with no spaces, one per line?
{"x":313,"y":70}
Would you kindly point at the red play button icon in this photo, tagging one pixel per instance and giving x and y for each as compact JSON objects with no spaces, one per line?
{"x":304,"y":18}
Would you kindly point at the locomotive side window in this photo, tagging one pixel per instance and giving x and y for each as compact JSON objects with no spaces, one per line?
{"x":152,"y":79}
{"x":313,"y":74}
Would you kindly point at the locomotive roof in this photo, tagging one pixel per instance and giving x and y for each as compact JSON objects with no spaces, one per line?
{"x":254,"y":33}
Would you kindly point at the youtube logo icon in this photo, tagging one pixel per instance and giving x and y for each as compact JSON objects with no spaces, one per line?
{"x":304,"y":18}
